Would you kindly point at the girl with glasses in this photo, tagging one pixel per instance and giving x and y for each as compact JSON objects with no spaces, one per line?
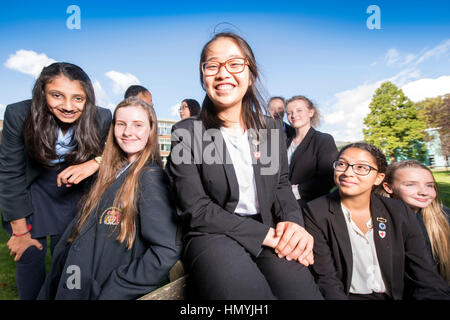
{"x":245,"y":237}
{"x":50,"y":145}
{"x":413,"y":182}
{"x":367,"y":246}
{"x":189,"y":108}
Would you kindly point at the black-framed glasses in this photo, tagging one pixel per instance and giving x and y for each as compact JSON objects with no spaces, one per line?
{"x":358,"y":168}
{"x":233,"y":65}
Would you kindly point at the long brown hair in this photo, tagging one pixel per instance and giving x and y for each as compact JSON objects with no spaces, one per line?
{"x":41,"y":126}
{"x":114,"y":159}
{"x":434,"y":218}
{"x":252,"y":102}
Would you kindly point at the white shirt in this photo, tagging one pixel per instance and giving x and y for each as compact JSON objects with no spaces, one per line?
{"x":366,"y":275}
{"x":239,"y":149}
{"x":290,"y":151}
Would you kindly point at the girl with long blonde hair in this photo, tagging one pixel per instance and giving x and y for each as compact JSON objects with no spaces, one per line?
{"x":123,"y":243}
{"x":413,"y":182}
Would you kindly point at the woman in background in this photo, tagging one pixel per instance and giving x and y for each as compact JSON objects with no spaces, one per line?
{"x":189,"y":108}
{"x":310,"y":152}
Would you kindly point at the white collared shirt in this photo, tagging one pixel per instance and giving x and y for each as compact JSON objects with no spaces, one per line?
{"x":366,"y":275}
{"x":239,"y":149}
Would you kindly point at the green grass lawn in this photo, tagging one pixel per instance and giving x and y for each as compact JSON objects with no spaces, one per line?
{"x":443,"y":181}
{"x":8,"y":290}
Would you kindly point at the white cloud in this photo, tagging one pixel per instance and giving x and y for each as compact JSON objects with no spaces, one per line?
{"x":174,"y":110}
{"x":392,"y":56}
{"x":102,"y":98}
{"x":2,"y":110}
{"x":121,"y":81}
{"x":437,"y":51}
{"x":427,"y":88}
{"x":28,"y":62}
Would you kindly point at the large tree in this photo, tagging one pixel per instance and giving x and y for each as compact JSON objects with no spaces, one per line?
{"x":437,"y":112}
{"x":395,"y":124}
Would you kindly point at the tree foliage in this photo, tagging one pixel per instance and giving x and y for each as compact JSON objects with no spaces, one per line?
{"x":395,"y":124}
{"x":437,"y":115}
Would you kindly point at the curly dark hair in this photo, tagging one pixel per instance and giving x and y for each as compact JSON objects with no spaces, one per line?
{"x":379,"y":157}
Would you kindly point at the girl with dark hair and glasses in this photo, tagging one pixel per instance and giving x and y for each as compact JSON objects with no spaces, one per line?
{"x":244,"y":237}
{"x":50,"y":144}
{"x":189,"y":108}
{"x":367,"y":246}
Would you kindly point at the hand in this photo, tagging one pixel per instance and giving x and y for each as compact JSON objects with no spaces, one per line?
{"x":18,"y":245}
{"x":77,"y":173}
{"x":295,"y":243}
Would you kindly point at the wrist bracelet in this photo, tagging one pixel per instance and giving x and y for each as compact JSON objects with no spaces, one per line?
{"x":29,"y":227}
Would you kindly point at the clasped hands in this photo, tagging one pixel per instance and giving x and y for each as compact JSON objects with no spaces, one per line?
{"x":291,"y":241}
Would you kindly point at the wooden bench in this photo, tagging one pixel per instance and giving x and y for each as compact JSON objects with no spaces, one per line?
{"x":174,"y":290}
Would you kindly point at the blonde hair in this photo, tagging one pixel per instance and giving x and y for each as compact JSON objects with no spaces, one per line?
{"x":315,"y":119}
{"x":434,"y":217}
{"x":114,"y":159}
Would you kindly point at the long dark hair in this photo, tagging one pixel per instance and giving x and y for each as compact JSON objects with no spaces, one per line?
{"x":252,"y":102}
{"x":41,"y":127}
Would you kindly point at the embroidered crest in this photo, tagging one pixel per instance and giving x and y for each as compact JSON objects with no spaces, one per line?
{"x":382,"y":234}
{"x":110,"y":216}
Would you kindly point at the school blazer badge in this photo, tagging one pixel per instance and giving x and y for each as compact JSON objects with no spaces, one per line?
{"x":110,"y":216}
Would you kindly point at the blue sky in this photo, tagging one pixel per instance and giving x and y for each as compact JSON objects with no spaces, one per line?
{"x":320,"y":49}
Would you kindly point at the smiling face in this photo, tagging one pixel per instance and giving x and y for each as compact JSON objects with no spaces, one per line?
{"x":225,"y":89}
{"x":184,"y":111}
{"x":415,"y":186}
{"x":349,"y":183}
{"x":298,"y":114}
{"x":65,"y":99}
{"x":131,"y":130}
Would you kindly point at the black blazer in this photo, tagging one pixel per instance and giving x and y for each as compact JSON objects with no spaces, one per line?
{"x":311,"y":165}
{"x":17,"y":169}
{"x":108,"y":270}
{"x":289,"y":131}
{"x":208,"y":193}
{"x":402,"y":255}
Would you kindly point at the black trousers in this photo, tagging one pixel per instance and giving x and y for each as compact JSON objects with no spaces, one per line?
{"x":221,"y":269}
{"x":30,"y":269}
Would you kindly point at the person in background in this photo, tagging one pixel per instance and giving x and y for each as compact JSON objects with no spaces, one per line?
{"x":139,"y":92}
{"x":413,"y":182}
{"x":310,"y":152}
{"x":124,"y":239}
{"x":276,"y":108}
{"x":50,"y":145}
{"x":244,"y":237}
{"x":366,"y":246}
{"x":189,"y":108}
